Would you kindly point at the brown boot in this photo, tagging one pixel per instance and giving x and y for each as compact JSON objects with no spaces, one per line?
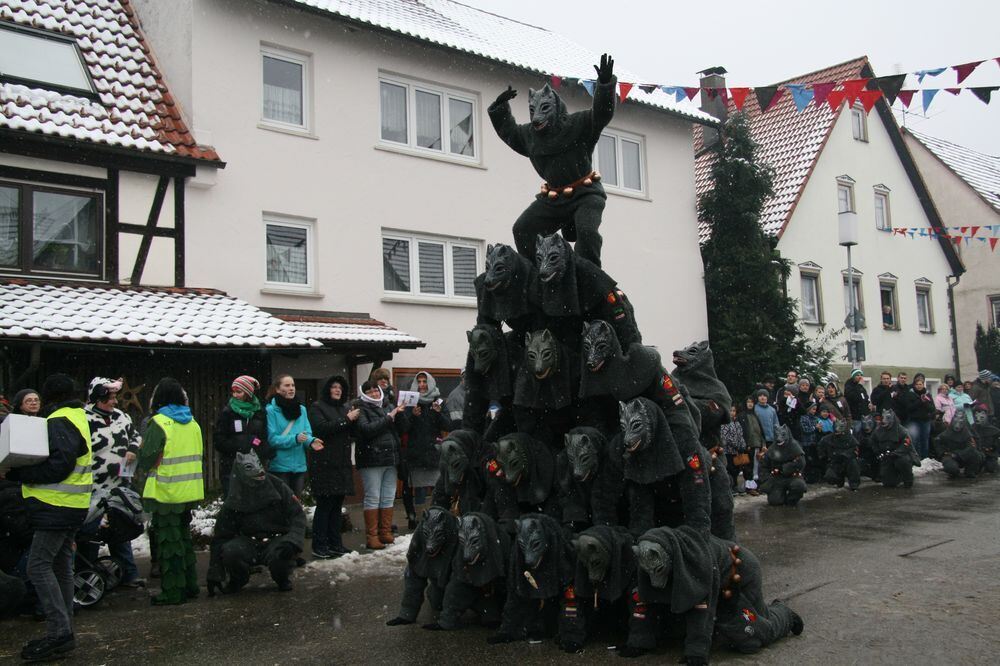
{"x":385,"y":526}
{"x":371,"y":530}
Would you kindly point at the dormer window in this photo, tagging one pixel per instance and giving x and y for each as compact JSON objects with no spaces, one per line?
{"x":40,"y":59}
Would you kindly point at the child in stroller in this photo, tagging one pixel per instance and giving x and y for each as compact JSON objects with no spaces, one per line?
{"x":114,"y":522}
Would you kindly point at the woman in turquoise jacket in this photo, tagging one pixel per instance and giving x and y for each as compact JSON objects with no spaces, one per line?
{"x":289,"y":433}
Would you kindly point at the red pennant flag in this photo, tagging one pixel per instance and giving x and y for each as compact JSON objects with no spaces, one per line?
{"x":957,"y":240}
{"x":556,"y":81}
{"x":963,"y":229}
{"x":905,"y":96}
{"x":973,"y":231}
{"x":868,"y":98}
{"x":954,"y":91}
{"x":623,"y":89}
{"x":821,"y":91}
{"x":721,"y":92}
{"x":691,"y":92}
{"x":852,"y":88}
{"x":993,"y":243}
{"x":739,"y":96}
{"x":966,"y":69}
{"x":835,"y":99}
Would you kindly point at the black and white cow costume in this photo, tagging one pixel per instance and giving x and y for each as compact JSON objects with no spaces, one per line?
{"x":112,"y":435}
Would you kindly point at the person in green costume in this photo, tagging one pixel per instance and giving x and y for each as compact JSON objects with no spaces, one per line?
{"x":171,"y":455}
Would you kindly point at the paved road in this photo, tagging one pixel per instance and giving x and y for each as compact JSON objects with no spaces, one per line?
{"x":879,"y":576}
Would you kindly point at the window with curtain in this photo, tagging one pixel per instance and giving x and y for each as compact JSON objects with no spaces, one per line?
{"x":10,"y":222}
{"x":995,"y":310}
{"x":288,"y":260}
{"x":427,"y":117}
{"x":858,"y":301}
{"x":887,"y":298}
{"x":810,"y":298}
{"x":845,"y":198}
{"x":429,"y":266}
{"x":925,"y":321}
{"x":859,"y":123}
{"x":619,"y":158}
{"x":284,"y":87}
{"x":882,"y":211}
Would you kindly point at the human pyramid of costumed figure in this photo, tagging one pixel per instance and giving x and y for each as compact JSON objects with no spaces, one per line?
{"x":580,"y":491}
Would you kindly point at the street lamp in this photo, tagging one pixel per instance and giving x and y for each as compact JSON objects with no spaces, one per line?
{"x":848,"y":236}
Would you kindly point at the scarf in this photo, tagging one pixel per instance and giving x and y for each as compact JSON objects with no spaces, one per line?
{"x":244,"y":409}
{"x":433,"y":392}
{"x":377,"y":402}
{"x":179,"y":413}
{"x":290,"y":408}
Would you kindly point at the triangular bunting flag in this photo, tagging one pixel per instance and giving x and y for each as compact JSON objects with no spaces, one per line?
{"x":821,"y":90}
{"x":957,"y":240}
{"x":868,"y":98}
{"x":800,"y":95}
{"x":676,"y":91}
{"x":765,"y":96}
{"x":721,"y":92}
{"x":739,"y":96}
{"x":623,"y":90}
{"x":691,"y":92}
{"x":906,"y":96}
{"x":973,"y":231}
{"x":835,"y":99}
{"x":966,"y":69}
{"x":928,"y":95}
{"x":966,"y":239}
{"x":589,"y":85}
{"x":571,"y":81}
{"x":923,"y":232}
{"x":647,"y":87}
{"x":891,"y":85}
{"x":984,"y":92}
{"x":963,"y":230}
{"x":556,"y":81}
{"x":954,"y":91}
{"x":929,"y":72}
{"x":993,"y":243}
{"x":910,"y":233}
{"x":982,"y":240}
{"x":852,"y":88}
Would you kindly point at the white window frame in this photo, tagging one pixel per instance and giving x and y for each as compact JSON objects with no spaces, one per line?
{"x":445,"y":93}
{"x":886,"y":283}
{"x":812,"y":275}
{"x":858,"y":293}
{"x":414,"y":295}
{"x":859,"y":123}
{"x":994,"y":301}
{"x":298,"y":58}
{"x":278,"y":219}
{"x":620,"y":188}
{"x":59,"y":46}
{"x":882,"y":194}
{"x":923,"y":287}
{"x":845,"y":184}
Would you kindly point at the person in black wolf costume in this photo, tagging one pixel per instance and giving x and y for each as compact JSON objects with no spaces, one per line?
{"x":478,"y":573}
{"x":502,"y":290}
{"x":988,"y":441}
{"x":528,"y":468}
{"x":428,"y":564}
{"x":464,"y":485}
{"x":784,"y":462}
{"x":959,"y":454}
{"x":490,"y":371}
{"x":545,"y":388}
{"x":695,"y":370}
{"x":261,"y":522}
{"x":591,"y":484}
{"x":896,"y":457}
{"x":840,"y":451}
{"x":560,"y":146}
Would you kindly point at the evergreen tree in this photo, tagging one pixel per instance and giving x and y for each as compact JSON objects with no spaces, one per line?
{"x":987,"y":348}
{"x":753,"y":325}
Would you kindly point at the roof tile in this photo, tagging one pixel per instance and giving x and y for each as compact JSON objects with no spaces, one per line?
{"x":980,"y":171}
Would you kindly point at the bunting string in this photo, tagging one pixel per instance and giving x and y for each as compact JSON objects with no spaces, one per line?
{"x":985,"y":234}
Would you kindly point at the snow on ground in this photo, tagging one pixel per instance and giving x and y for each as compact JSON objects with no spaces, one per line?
{"x":928,"y":466}
{"x":389,"y":561}
{"x":203,"y":519}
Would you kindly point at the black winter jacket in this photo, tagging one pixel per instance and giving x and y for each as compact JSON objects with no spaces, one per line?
{"x":378,"y":436}
{"x":917,"y":405}
{"x":424,"y":432}
{"x":66,"y":444}
{"x":330,"y":470}
{"x":857,"y":399}
{"x":228,"y":442}
{"x":882,"y":398}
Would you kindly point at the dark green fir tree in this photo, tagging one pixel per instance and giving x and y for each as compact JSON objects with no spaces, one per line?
{"x":752,"y":324}
{"x":987,"y":348}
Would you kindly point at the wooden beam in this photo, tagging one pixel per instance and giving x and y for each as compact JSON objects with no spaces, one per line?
{"x":53,"y":177}
{"x":111,"y":227}
{"x":140,"y":229}
{"x":147,"y":236}
{"x":179,"y":231}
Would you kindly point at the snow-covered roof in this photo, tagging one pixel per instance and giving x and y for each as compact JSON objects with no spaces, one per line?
{"x":140,"y":316}
{"x":788,"y":140}
{"x":333,"y":330}
{"x":133,"y":108}
{"x":979,"y":170}
{"x":463,"y":28}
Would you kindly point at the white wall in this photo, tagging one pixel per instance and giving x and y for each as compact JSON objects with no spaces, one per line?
{"x":353,"y":190}
{"x":959,"y":206}
{"x":812,"y":235}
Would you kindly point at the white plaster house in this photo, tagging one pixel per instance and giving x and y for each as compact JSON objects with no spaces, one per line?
{"x":364,"y":177}
{"x":828,"y":161}
{"x":965,"y":186}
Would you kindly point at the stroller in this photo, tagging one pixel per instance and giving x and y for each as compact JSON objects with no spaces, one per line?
{"x":121,"y":520}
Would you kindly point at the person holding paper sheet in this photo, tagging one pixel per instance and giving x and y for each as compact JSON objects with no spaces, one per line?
{"x":426,"y":423}
{"x":376,"y":456}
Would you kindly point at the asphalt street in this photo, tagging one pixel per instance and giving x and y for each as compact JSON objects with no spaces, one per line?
{"x":879,"y":576}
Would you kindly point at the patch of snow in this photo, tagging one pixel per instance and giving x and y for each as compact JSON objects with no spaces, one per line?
{"x":928,"y":466}
{"x":203,"y":519}
{"x":387,"y":562}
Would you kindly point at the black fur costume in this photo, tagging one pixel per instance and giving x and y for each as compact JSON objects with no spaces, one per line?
{"x":466,"y":490}
{"x":841,"y":452}
{"x":490,"y":370}
{"x":534,"y":489}
{"x":503,"y":290}
{"x":598,"y":499}
{"x":959,"y":455}
{"x":695,"y":369}
{"x":988,"y":441}
{"x":896,"y":456}
{"x":428,"y":563}
{"x":782,"y":468}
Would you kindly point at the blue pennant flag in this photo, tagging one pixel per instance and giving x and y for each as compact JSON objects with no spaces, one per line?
{"x":923,"y":232}
{"x":981,"y":239}
{"x":800,"y":95}
{"x":929,"y":72}
{"x":928,"y":97}
{"x":589,"y":85}
{"x":910,"y":233}
{"x":676,"y":91}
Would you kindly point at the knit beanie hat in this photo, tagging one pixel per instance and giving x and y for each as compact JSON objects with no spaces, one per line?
{"x":856,"y":373}
{"x":380,"y":373}
{"x":247,"y":384}
{"x":985,"y":375}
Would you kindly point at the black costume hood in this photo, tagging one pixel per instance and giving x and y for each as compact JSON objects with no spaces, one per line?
{"x":956,"y":440}
{"x":324,"y":393}
{"x":553,"y":573}
{"x":695,"y":368}
{"x":602,"y":489}
{"x":541,"y":469}
{"x":438,"y":567}
{"x":251,"y":488}
{"x":620,"y":577}
{"x":782,"y":452}
{"x":493,"y":564}
{"x":623,"y":376}
{"x":497,"y":381}
{"x":660,"y":459}
{"x":693,"y":574}
{"x":554,"y":392}
{"x":511,"y":301}
{"x":472,"y":444}
{"x":579,"y":289}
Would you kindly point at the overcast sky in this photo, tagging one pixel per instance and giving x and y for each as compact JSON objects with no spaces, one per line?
{"x":764,"y":41}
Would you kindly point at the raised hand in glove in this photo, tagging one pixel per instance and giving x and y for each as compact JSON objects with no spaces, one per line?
{"x":396,"y":621}
{"x":506,"y":96}
{"x":606,"y":69}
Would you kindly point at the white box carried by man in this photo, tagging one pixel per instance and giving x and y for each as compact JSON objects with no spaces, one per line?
{"x":24,"y":440}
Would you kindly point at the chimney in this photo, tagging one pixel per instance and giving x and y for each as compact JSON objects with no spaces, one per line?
{"x":711,"y":102}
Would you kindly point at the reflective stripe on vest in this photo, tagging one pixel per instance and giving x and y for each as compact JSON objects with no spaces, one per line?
{"x":177,"y":479}
{"x":72,"y":492}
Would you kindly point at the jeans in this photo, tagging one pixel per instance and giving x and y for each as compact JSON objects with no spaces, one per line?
{"x":380,"y":486}
{"x":326,"y":523}
{"x":920,"y":434}
{"x":122,"y":551}
{"x":50,"y":569}
{"x":294,"y":480}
